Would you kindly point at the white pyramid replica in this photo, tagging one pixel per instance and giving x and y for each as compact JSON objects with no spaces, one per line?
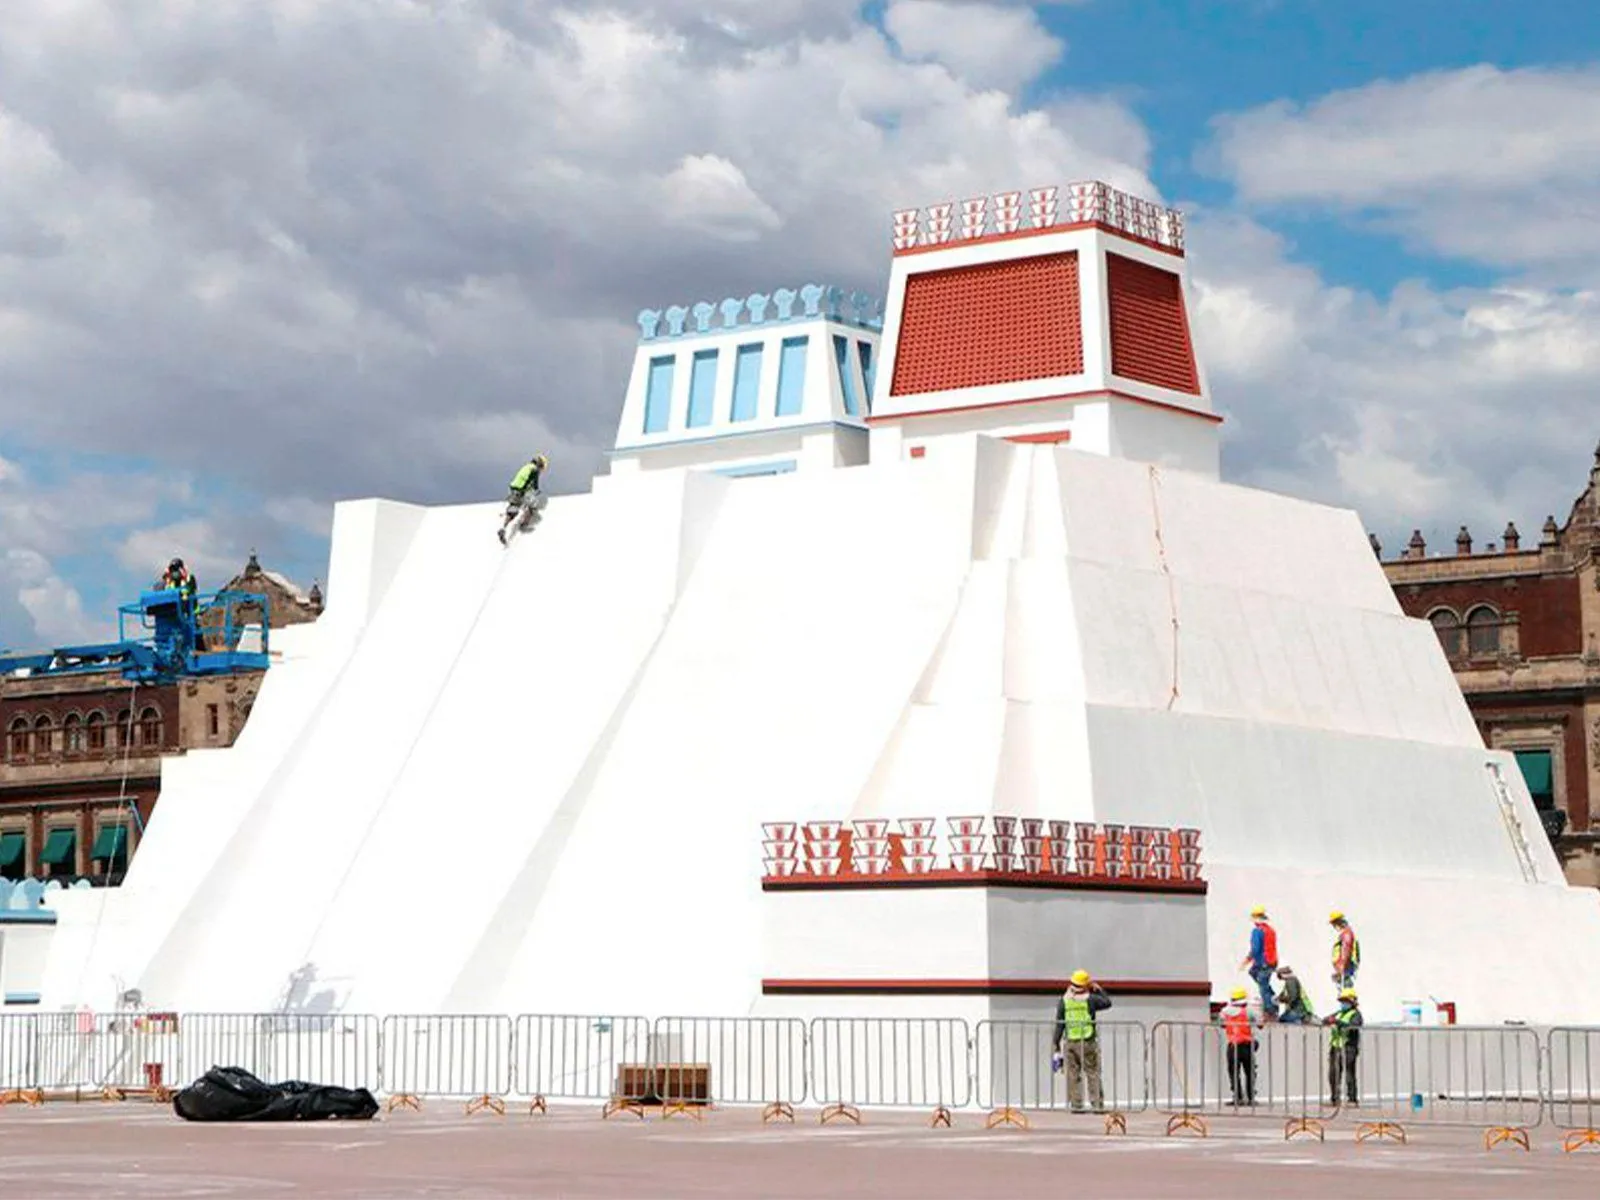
{"x":969,"y":559}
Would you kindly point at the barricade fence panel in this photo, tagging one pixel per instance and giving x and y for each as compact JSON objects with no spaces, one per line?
{"x":136,"y":1051}
{"x":1450,"y":1075}
{"x":19,"y":1069}
{"x":1279,"y":1073}
{"x":582,"y":1057}
{"x":1572,"y":1077}
{"x":1013,"y":1068}
{"x":446,"y":1056}
{"x":890,"y":1062}
{"x":730,"y":1060}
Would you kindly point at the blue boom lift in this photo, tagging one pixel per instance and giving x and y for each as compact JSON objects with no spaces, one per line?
{"x":161,"y":638}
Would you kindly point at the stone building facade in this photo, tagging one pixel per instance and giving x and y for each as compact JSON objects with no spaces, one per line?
{"x":1521,"y":626}
{"x":80,"y":760}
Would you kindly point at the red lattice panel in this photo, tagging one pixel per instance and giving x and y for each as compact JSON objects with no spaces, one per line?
{"x":1149,"y":327}
{"x":992,"y":323}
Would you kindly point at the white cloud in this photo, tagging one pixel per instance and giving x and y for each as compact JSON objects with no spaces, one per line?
{"x":1493,"y":165}
{"x":207,"y":551}
{"x":990,"y":45}
{"x":710,"y":195}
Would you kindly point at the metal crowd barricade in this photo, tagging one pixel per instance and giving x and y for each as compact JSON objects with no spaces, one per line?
{"x":1014,"y":1074}
{"x":337,"y":1049}
{"x":583,"y":1058}
{"x":889,"y":1062}
{"x":1484,"y":1076}
{"x":138,"y":1053}
{"x":1195,"y":1076}
{"x":460,"y":1057}
{"x":701,"y":1061}
{"x":1572,"y":1085}
{"x":19,"y":1068}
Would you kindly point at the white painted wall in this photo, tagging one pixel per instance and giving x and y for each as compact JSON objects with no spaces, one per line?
{"x":534,"y":780}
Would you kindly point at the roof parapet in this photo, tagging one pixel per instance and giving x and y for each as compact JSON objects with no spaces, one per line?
{"x":817,"y":301}
{"x":1089,"y":203}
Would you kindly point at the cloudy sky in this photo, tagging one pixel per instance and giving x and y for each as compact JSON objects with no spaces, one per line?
{"x":258,"y":257}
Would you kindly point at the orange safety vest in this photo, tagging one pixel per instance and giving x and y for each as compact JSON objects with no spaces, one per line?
{"x":1236,"y":1024}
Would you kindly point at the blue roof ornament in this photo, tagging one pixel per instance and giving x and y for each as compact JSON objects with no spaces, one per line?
{"x":760,"y":308}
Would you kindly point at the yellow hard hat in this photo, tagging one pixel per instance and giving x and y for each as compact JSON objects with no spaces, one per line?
{"x":1258,"y":911}
{"x":1348,"y":994}
{"x":1080,"y":978}
{"x":1335,"y":915}
{"x":1239,"y":993}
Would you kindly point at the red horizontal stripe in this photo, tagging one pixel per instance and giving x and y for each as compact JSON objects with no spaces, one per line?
{"x":1212,"y":418}
{"x":948,"y":879}
{"x":978,"y":987}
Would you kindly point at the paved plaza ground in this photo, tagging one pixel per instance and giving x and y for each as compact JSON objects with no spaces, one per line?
{"x":136,"y":1149}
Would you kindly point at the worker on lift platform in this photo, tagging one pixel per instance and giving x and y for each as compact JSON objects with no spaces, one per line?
{"x":179,"y":578}
{"x":524,"y":498}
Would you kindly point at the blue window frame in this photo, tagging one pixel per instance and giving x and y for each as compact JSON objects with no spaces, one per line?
{"x":864,"y":349}
{"x":847,"y":374}
{"x":658,"y":394}
{"x":792,"y":376}
{"x":746,"y":382}
{"x":702,"y":386}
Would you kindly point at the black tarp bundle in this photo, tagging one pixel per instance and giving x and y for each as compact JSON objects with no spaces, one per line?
{"x":233,"y":1094}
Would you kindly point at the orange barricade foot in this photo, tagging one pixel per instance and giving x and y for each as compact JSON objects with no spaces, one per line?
{"x":941,"y":1118}
{"x":1509,"y":1134}
{"x":834,"y":1111}
{"x":486,"y":1104}
{"x":682,"y":1106}
{"x":537,"y":1104}
{"x":1116,"y":1123}
{"x":1007,"y":1116}
{"x":1309,"y":1126}
{"x":778,"y":1110}
{"x":1380,"y":1130}
{"x":32,"y":1097}
{"x":616,"y":1105}
{"x":1580,"y":1137}
{"x":403,"y":1100}
{"x":1187,"y":1120}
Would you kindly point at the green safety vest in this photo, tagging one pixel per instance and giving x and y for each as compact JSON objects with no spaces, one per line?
{"x":1341,"y":1027}
{"x":1355,"y":950}
{"x":521,"y":478}
{"x":1079,"y":1021}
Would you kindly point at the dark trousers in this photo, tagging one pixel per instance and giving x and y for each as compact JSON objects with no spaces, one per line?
{"x":1342,"y":1065}
{"x":1242,"y":1072}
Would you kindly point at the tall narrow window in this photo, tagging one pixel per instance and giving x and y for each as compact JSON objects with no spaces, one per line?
{"x":150,"y":727}
{"x":658,"y":395}
{"x":847,"y":373}
{"x":1536,"y":772}
{"x":44,"y":737}
{"x":72,"y":734}
{"x":746,"y":382}
{"x":96,"y":728}
{"x":1448,"y":626}
{"x":17,"y":739}
{"x":702,"y":385}
{"x":792,"y":376}
{"x":864,"y":349}
{"x":1483,"y":631}
{"x":213,"y":720}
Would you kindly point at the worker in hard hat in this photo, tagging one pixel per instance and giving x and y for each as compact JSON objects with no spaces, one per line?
{"x":1344,"y":1048}
{"x":523,"y":484}
{"x":1241,"y":1039}
{"x":1346,"y":951}
{"x":1294,"y":1003}
{"x":1077,"y":1039}
{"x":180,"y":579}
{"x":1262,"y":960}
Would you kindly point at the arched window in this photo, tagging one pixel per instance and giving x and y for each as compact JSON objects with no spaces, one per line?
{"x":72,"y":734}
{"x":1448,"y":626}
{"x":1483,"y":631}
{"x":150,"y":727}
{"x":95,"y":732}
{"x":124,"y":728}
{"x":44,"y":737}
{"x":18,"y":739}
